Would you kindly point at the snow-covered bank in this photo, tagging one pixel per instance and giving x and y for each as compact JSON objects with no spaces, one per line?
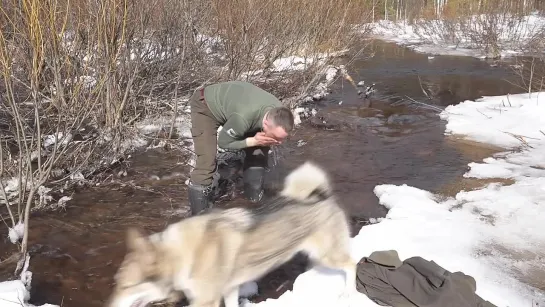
{"x":17,"y":292}
{"x":495,"y":234}
{"x":465,"y":37}
{"x":296,"y":63}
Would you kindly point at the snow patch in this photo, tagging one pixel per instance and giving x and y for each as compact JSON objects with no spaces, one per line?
{"x":15,"y":234}
{"x":300,"y":112}
{"x":63,"y":200}
{"x":296,"y":63}
{"x":16,"y":293}
{"x":52,"y":139}
{"x":498,"y":120}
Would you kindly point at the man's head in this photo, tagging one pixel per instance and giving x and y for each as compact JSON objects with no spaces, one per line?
{"x":278,"y":123}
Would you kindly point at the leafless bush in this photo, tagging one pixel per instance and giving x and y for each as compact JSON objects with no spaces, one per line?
{"x":497,"y":26}
{"x":531,"y":72}
{"x":446,"y":31}
{"x":254,"y":34}
{"x":489,"y":26}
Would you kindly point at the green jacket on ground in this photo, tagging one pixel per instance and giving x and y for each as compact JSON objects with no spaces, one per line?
{"x":239,"y":107}
{"x":414,"y":282}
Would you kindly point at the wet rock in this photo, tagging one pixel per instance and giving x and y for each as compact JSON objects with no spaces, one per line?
{"x":301,"y":143}
{"x":404,"y":119}
{"x":336,"y":121}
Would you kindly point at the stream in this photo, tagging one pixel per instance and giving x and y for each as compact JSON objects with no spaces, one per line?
{"x":389,"y":139}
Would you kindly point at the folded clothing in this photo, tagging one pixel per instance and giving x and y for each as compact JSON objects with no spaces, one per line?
{"x":388,"y":281}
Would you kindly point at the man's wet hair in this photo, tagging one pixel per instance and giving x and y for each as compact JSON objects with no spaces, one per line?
{"x":283,"y":117}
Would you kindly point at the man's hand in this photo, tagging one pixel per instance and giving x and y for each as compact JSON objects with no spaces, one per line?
{"x":264,"y":140}
{"x":261,"y":140}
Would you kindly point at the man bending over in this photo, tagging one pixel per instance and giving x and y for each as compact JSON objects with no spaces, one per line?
{"x":252,"y":119}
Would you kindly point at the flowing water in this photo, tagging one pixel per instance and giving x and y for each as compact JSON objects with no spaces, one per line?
{"x":389,"y":139}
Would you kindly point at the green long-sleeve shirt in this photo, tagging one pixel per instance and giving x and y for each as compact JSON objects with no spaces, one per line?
{"x":239,"y":107}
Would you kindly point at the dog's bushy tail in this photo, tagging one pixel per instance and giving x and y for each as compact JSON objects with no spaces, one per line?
{"x":307,"y":182}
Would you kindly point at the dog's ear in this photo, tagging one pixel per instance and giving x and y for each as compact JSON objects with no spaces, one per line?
{"x":136,"y":241}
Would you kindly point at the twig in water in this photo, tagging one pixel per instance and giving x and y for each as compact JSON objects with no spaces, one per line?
{"x":426,"y":105}
{"x":542,"y":132}
{"x":422,"y":88}
{"x":349,"y":78}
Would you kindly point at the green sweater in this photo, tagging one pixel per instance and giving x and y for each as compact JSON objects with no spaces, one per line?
{"x":239,"y":107}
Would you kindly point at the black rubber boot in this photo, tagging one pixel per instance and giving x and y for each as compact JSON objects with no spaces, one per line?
{"x":199,"y":198}
{"x":253,"y":183}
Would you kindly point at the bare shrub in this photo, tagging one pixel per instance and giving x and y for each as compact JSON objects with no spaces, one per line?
{"x":531,"y":72}
{"x":496,"y":25}
{"x":489,"y":26}
{"x":254,"y":34}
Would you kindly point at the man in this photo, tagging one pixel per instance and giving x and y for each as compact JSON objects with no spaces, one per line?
{"x":252,"y":119}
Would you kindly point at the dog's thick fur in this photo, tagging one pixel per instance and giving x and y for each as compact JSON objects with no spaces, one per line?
{"x":208,"y":256}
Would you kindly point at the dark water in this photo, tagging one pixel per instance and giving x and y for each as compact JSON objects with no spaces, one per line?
{"x":400,"y":72}
{"x":76,"y":252}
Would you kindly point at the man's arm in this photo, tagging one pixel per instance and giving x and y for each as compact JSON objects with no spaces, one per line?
{"x":231,"y":136}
